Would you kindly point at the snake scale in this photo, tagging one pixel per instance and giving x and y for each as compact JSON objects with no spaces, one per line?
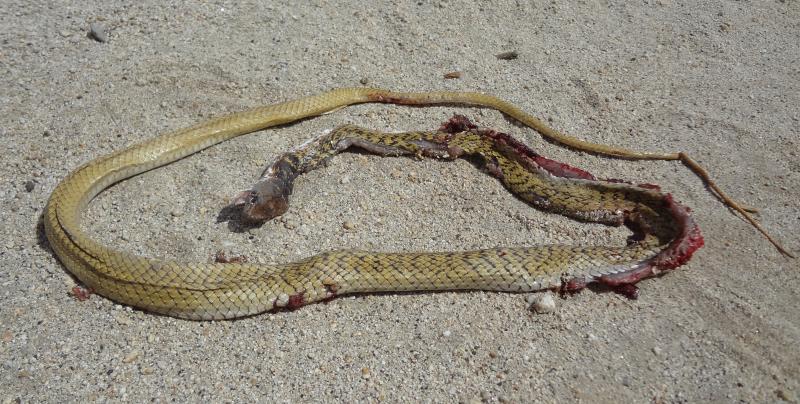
{"x":667,"y":236}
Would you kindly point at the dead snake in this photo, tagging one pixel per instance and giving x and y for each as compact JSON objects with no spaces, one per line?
{"x":229,"y":290}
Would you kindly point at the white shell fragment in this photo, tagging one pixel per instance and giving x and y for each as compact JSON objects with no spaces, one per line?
{"x":542,"y":303}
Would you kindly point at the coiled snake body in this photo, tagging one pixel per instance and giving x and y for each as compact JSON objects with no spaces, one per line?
{"x":667,"y":234}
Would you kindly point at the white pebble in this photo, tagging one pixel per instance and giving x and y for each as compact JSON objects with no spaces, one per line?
{"x":98,"y":32}
{"x":542,"y":303}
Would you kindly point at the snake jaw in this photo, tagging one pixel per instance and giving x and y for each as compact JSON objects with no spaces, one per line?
{"x":242,"y":198}
{"x":269,"y":198}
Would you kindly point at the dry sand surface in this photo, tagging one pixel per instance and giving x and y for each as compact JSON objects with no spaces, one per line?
{"x":718,"y":80}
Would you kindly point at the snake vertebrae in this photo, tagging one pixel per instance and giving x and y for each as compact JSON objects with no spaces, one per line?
{"x":665,"y":234}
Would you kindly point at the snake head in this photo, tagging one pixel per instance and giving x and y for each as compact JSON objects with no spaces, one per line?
{"x":267,"y":199}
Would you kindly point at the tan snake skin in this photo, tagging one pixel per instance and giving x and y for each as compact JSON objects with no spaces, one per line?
{"x":229,"y":290}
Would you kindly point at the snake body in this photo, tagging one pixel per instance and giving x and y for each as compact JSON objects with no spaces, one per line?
{"x":227,"y":290}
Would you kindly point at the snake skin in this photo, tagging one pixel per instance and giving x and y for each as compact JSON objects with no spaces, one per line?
{"x":668,"y":235}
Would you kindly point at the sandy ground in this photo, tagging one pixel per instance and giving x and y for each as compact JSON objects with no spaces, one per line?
{"x":719,"y":81}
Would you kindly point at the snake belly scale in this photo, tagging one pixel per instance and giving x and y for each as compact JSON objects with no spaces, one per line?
{"x":197,"y":290}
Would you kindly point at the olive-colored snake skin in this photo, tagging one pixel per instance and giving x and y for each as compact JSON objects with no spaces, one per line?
{"x":229,"y":290}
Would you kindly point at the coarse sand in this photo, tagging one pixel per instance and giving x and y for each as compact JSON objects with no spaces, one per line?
{"x":719,"y":80}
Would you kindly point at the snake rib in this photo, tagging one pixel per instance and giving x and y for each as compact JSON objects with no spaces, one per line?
{"x":229,"y":290}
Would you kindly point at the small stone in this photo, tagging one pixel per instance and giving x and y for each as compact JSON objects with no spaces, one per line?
{"x":122,"y":320}
{"x":446,"y":333}
{"x":46,"y":133}
{"x":29,"y":186}
{"x":64,"y":33}
{"x":348,"y":225}
{"x":657,"y":351}
{"x":147,"y":370}
{"x":98,"y":32}
{"x":177,"y":212}
{"x":344,"y":180}
{"x":542,"y":303}
{"x":626,"y":381}
{"x":364,"y":81}
{"x":785,"y":395}
{"x":507,"y":55}
{"x":129,"y":358}
{"x":290,"y":224}
{"x":365,"y":373}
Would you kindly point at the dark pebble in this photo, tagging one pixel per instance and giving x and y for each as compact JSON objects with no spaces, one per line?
{"x":29,"y":185}
{"x":507,"y":55}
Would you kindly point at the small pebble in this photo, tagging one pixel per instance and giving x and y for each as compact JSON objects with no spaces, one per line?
{"x":122,"y":320}
{"x":98,"y":32}
{"x":29,"y":186}
{"x":657,"y":351}
{"x":542,"y":303}
{"x":365,"y":373}
{"x":446,"y":333}
{"x":348,"y":225}
{"x":131,"y":357}
{"x":507,"y":55}
{"x":177,"y":212}
{"x":344,"y":180}
{"x":364,"y":81}
{"x":785,"y":395}
{"x":290,"y":224}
